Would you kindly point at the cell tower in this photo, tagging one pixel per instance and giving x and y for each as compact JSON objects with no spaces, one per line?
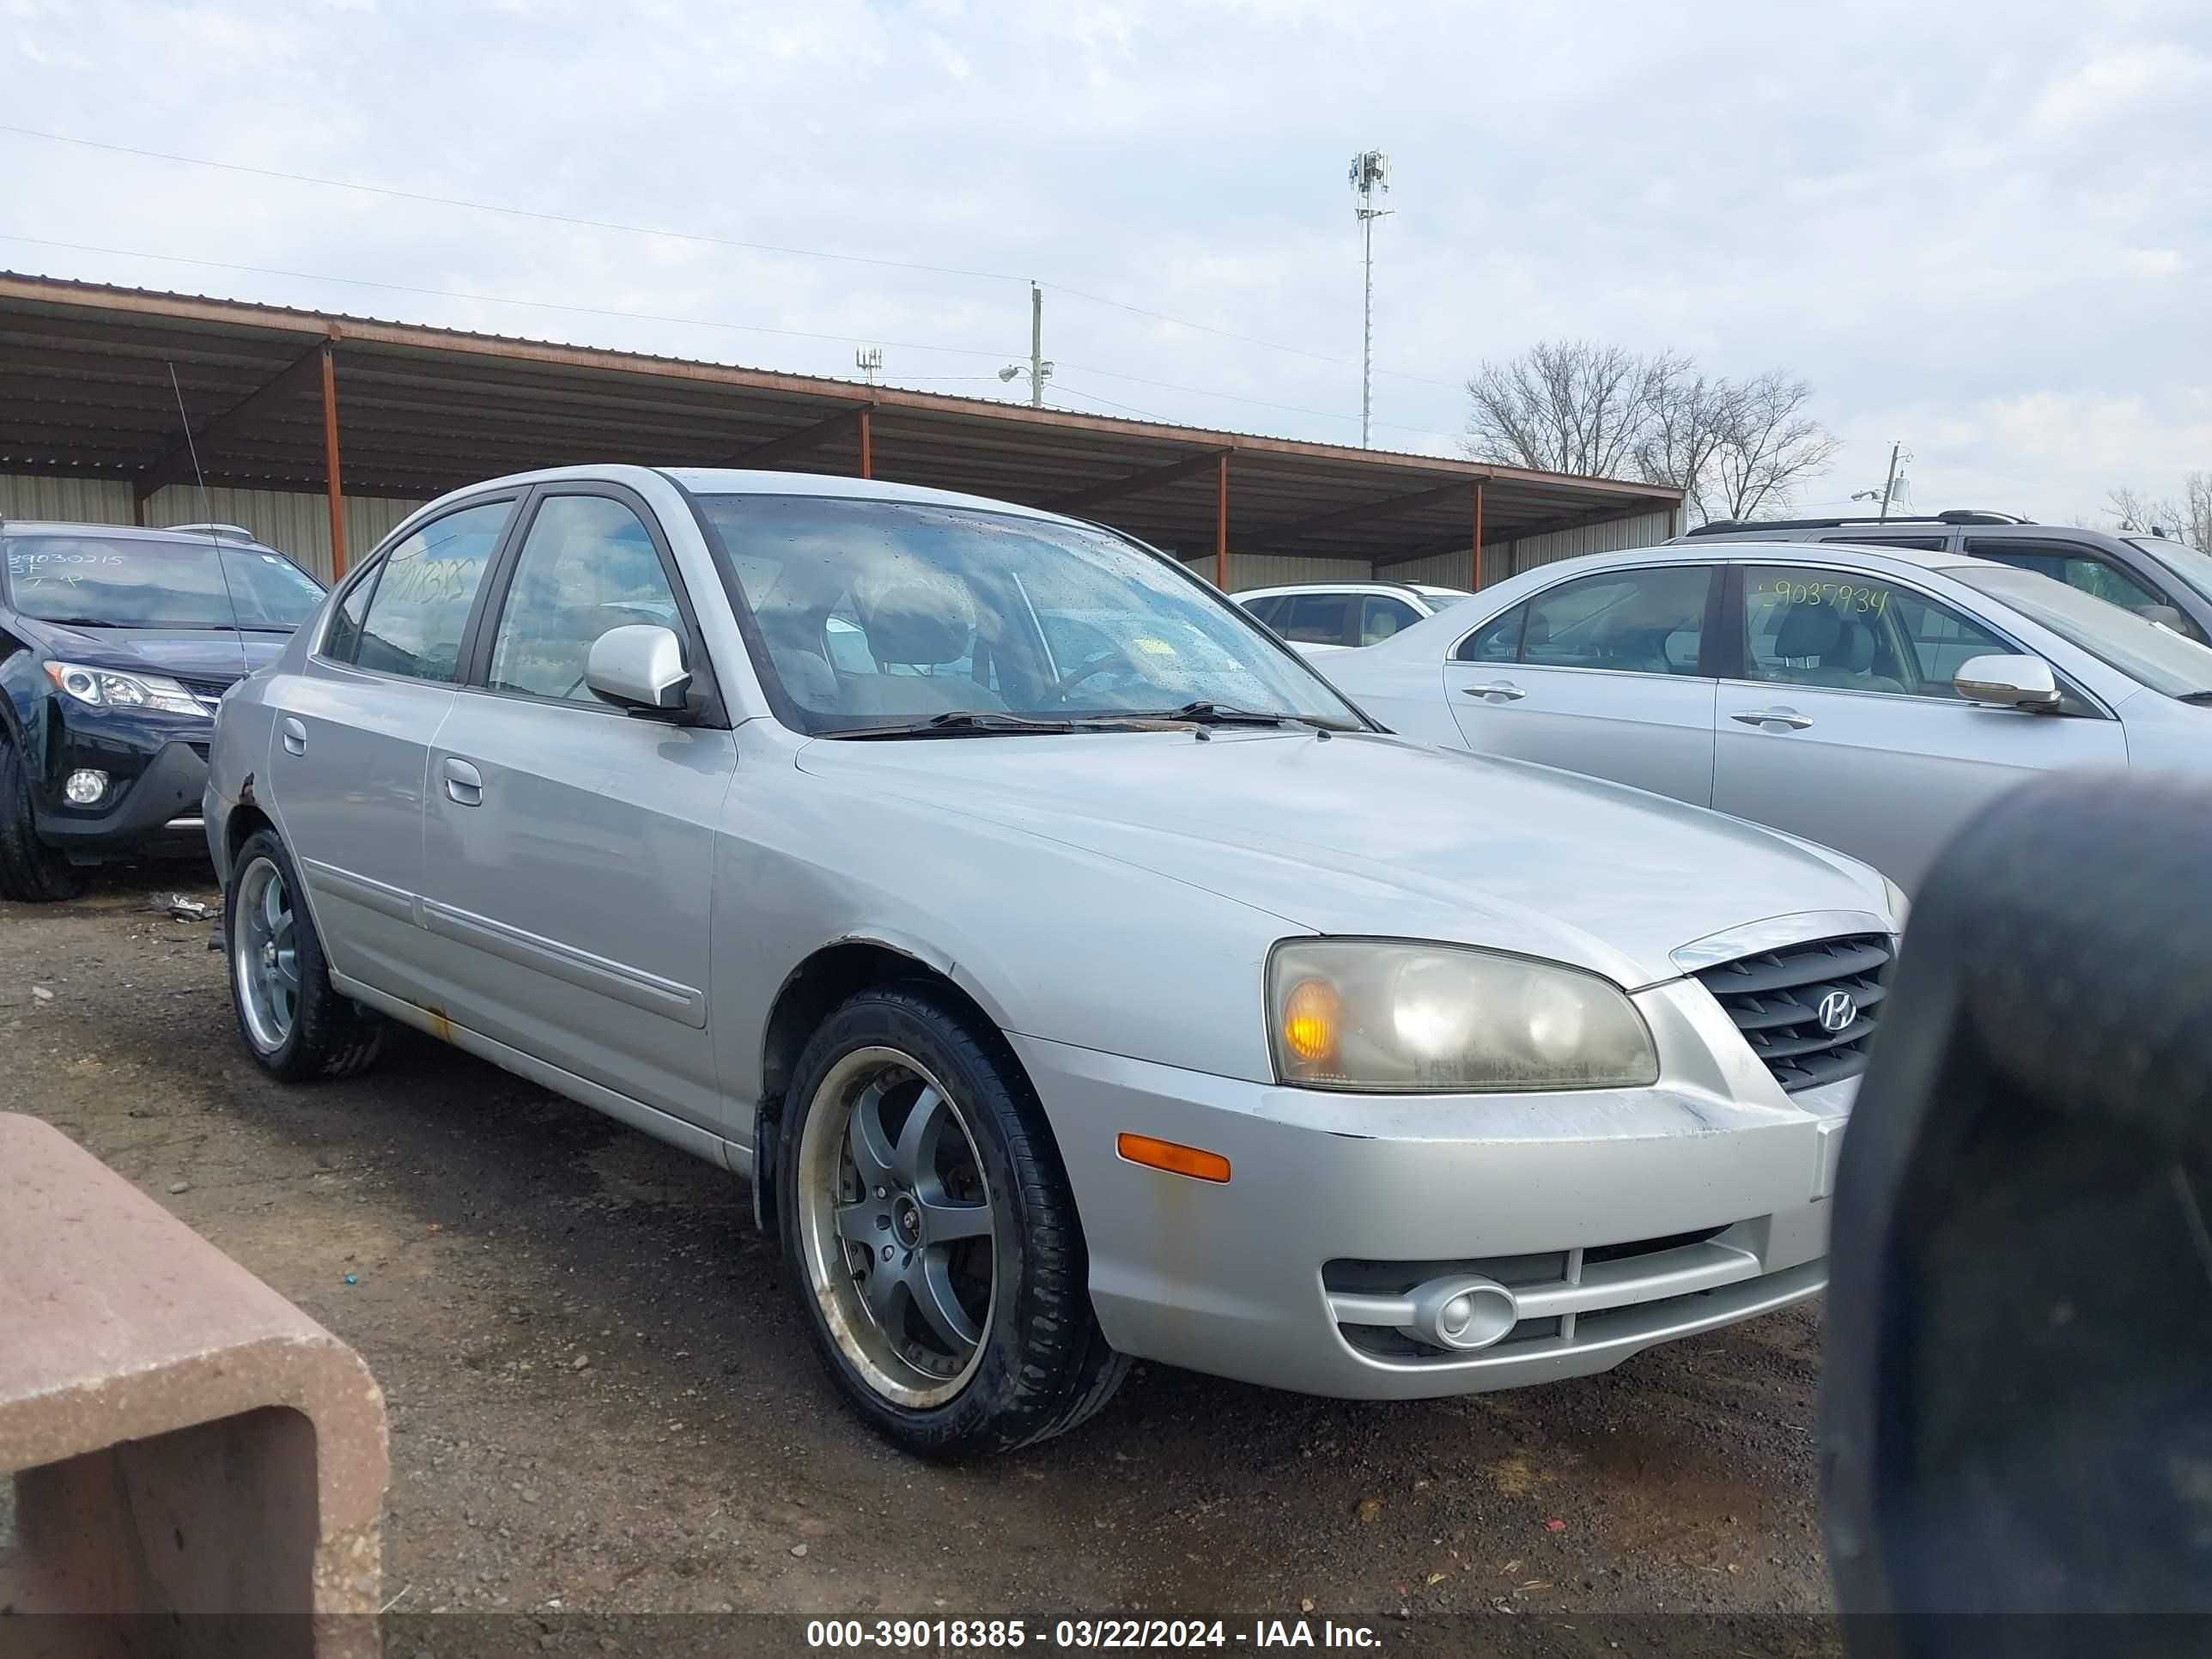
{"x":1371,"y":180}
{"x":869,"y":360}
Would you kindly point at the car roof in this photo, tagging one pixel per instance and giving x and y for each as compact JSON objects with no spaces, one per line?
{"x":745,"y":481}
{"x":1350,"y":585}
{"x":1729,"y":550}
{"x":129,"y":533}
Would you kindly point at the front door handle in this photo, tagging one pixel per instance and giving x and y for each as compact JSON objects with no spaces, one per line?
{"x":296,"y":735}
{"x":463,"y":783}
{"x":1497,"y":691}
{"x":1784,"y":717}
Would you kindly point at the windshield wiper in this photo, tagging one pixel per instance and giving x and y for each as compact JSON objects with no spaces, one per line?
{"x":959,"y":723}
{"x":2203,"y":696}
{"x":1203,"y":713}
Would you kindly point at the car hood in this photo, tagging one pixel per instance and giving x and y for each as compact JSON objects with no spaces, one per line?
{"x":1372,"y":834}
{"x":197,"y":654}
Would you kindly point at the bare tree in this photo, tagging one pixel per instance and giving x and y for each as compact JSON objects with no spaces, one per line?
{"x":2187,"y":518}
{"x":1688,"y":422}
{"x":1564,"y":406}
{"x":1770,"y":447}
{"x":1734,"y":448}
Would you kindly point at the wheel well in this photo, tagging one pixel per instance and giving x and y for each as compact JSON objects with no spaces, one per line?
{"x":825,"y":979}
{"x":244,"y":820}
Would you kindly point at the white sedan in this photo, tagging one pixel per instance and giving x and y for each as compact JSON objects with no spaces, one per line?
{"x":1871,"y":699}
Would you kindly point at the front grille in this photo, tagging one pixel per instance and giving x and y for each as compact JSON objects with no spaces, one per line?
{"x":210,"y":690}
{"x":1775,"y":998}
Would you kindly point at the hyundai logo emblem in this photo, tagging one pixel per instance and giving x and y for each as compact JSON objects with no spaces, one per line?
{"x":1837,"y":1009}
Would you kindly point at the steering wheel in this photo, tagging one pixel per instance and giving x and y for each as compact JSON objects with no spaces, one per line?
{"x":1118,"y":657}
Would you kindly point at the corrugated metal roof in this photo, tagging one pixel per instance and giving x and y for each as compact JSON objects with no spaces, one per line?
{"x":84,"y":392}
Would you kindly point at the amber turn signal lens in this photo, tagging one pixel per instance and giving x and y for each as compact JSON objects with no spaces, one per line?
{"x":1174,"y":1158}
{"x":1310,"y":1013}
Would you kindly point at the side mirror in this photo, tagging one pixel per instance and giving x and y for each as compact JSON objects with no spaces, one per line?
{"x":639,"y":670}
{"x":2009,"y":682}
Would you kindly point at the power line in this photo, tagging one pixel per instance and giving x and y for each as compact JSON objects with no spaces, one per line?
{"x":580,"y":222}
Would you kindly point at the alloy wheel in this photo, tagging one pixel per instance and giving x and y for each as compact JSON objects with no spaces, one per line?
{"x":897,"y":1226}
{"x":265,"y":955}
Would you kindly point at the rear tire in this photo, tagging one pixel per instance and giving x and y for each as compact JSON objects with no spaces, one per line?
{"x":295,"y":1024}
{"x":984,"y":1339}
{"x":30,"y":870}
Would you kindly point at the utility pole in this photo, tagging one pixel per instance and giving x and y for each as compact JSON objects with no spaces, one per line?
{"x":1370,"y":176}
{"x":1889,"y":484}
{"x":1037,"y":368}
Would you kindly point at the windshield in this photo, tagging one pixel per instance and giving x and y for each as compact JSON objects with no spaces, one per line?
{"x":129,"y":582}
{"x":1445,"y":601}
{"x":2159,"y":657}
{"x":888,"y":613}
{"x":2185,"y":561}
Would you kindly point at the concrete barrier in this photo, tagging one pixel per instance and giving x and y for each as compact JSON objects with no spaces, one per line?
{"x":189,"y":1450}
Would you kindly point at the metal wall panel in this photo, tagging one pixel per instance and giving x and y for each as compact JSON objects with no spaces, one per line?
{"x":1644,"y":530}
{"x":1273,"y":569}
{"x":297,"y":522}
{"x":75,"y":500}
{"x":1453,"y":569}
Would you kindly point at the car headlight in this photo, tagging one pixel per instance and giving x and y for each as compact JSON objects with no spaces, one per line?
{"x":1404,"y":1017}
{"x":1900,"y":906}
{"x":104,"y":688}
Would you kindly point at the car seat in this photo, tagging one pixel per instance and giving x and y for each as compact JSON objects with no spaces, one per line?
{"x":1830,"y":649}
{"x":914,"y":623}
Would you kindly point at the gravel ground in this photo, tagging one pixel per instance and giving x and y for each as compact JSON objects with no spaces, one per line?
{"x":602,"y":1401}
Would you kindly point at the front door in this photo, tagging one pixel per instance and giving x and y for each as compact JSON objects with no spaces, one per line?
{"x":570,"y":849}
{"x":350,"y":756}
{"x":1601,"y":674}
{"x":1847,"y":730}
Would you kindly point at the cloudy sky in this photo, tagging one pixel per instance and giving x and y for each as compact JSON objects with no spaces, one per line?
{"x":1983,"y":227}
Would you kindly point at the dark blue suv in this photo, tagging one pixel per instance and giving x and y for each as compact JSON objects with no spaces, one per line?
{"x":115,"y":646}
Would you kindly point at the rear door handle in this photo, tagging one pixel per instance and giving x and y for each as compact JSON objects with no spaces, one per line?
{"x":1787,"y":717}
{"x":296,"y":735}
{"x":463,"y":783}
{"x":1497,"y":691}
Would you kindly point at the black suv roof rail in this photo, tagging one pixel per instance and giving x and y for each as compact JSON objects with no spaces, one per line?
{"x":1955,"y":516}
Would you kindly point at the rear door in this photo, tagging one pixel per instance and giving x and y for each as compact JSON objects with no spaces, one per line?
{"x":1602,"y":674}
{"x":350,"y":754}
{"x":1838,"y":720}
{"x":569,"y":847}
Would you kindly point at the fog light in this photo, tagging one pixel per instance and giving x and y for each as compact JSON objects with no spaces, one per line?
{"x":85,"y":788}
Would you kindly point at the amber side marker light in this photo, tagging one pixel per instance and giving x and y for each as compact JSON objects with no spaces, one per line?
{"x":1174,"y":1158}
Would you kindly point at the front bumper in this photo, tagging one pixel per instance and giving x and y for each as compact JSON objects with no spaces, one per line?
{"x":1618,"y":1218}
{"x":155,"y":782}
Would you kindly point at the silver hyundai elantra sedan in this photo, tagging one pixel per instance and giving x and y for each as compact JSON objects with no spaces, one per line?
{"x":1076,"y":975}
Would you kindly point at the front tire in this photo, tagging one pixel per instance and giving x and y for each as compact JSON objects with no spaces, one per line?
{"x":295,"y":1022}
{"x":30,"y":870}
{"x":937,"y":1254}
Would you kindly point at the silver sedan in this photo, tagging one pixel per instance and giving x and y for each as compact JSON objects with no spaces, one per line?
{"x":1075,"y":974}
{"x":1873,"y":699}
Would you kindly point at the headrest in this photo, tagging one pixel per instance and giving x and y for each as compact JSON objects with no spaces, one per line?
{"x":1809,"y":630}
{"x":920,"y":618}
{"x":1854,"y":652}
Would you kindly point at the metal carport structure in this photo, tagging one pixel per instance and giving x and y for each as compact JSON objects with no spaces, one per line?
{"x":283,"y":402}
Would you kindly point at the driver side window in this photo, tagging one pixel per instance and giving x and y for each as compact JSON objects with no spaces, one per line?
{"x":1850,"y":631}
{"x":589,"y":565}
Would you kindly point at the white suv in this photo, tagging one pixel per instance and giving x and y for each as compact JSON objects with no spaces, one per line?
{"x":1346,"y":613}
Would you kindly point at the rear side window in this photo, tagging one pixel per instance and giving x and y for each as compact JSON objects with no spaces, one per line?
{"x":420,"y":609}
{"x":1633,"y":621}
{"x":1315,"y":618}
{"x":1496,"y":641}
{"x":1380,"y":617}
{"x":1925,"y":544}
{"x":1266,"y":610}
{"x":343,"y":638}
